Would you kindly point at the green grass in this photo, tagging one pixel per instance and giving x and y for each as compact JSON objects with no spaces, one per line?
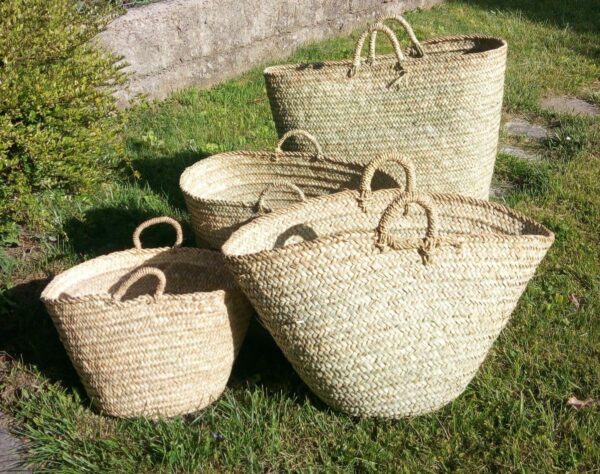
{"x":512,"y":417}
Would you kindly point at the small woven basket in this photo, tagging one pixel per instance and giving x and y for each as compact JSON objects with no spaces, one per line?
{"x":224,"y":191}
{"x":438,"y":102}
{"x":151,"y":332}
{"x":385,"y":310}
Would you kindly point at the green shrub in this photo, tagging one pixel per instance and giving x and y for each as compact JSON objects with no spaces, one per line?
{"x":60,"y":131}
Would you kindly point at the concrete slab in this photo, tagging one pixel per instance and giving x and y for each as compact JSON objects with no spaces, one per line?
{"x":570,"y":105}
{"x":519,"y":152}
{"x":519,"y":127}
{"x":11,"y":450}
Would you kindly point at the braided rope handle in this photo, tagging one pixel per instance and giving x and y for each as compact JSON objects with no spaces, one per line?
{"x":367,"y":178}
{"x":158,"y":220}
{"x":298,"y":132}
{"x":357,"y":60}
{"x":138,"y":275}
{"x":406,"y":25}
{"x":386,"y":240}
{"x":262,"y":209}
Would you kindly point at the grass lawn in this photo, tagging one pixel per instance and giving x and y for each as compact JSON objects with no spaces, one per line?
{"x":514,"y":416}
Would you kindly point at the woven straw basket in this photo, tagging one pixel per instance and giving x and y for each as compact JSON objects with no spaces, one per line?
{"x":224,"y":191}
{"x":439,"y":103}
{"x":386,"y":303}
{"x":151,"y":332}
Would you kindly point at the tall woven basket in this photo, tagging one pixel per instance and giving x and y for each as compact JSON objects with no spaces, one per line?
{"x":439,"y":102}
{"x":151,"y":332}
{"x":386,"y":303}
{"x":224,"y":191}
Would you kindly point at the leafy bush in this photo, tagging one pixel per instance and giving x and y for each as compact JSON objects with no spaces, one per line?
{"x":59,"y":126}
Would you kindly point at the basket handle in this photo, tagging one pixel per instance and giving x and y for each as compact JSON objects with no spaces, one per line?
{"x":262,"y":209}
{"x":386,"y":240}
{"x":375,"y":164}
{"x":406,"y":25}
{"x":138,"y":275}
{"x":158,"y":220}
{"x":298,"y":132}
{"x":357,"y":60}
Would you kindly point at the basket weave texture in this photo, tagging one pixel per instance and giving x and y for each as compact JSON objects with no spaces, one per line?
{"x":224,"y":191}
{"x":151,"y":332}
{"x":385,"y":302}
{"x":438,"y":102}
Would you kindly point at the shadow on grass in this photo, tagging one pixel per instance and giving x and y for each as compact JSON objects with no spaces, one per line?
{"x":261,"y":363}
{"x":105,"y":230}
{"x":27,"y":334}
{"x":110,"y":229}
{"x":582,"y":16}
{"x":161,"y":173}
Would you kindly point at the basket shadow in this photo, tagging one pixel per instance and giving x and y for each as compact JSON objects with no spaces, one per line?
{"x":261,"y":364}
{"x":161,"y":173}
{"x":109,"y":229}
{"x":27,"y":334}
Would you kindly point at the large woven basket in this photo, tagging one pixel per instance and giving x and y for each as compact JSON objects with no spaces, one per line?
{"x":224,"y":191}
{"x":385,"y":310}
{"x":151,"y":332}
{"x":439,"y":102}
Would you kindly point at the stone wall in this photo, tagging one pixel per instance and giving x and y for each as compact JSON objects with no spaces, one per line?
{"x":177,"y":43}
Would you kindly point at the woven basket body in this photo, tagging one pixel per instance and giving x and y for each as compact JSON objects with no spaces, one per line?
{"x":224,"y":191}
{"x":144,"y":353}
{"x":443,"y":109}
{"x":384,"y":314}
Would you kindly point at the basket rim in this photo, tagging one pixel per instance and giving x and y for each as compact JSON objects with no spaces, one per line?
{"x":190,"y":171}
{"x":46,"y":297}
{"x":544,"y":232}
{"x":283,"y":69}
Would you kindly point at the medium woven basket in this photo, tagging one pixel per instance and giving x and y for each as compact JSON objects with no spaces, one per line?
{"x":439,"y":103}
{"x":151,"y":332}
{"x":224,"y":191}
{"x":385,"y":310}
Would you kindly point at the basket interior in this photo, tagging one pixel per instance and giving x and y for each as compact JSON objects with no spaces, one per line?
{"x":186,"y":271}
{"x":241,"y":178}
{"x":433,"y":48}
{"x":459,"y":45}
{"x":451,"y":46}
{"x":341,"y":213}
